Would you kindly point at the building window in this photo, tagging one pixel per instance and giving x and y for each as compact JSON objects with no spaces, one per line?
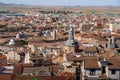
{"x":106,"y":45}
{"x":103,"y":69}
{"x":86,"y":53}
{"x":92,"y":71}
{"x":91,"y":53}
{"x":113,"y":71}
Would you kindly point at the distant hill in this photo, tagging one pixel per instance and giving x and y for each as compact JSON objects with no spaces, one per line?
{"x":2,"y":4}
{"x":11,"y":4}
{"x":14,"y":4}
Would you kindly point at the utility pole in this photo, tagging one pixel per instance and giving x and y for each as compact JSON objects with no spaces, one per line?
{"x":52,"y":68}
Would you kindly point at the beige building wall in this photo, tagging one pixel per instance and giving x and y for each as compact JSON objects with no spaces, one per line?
{"x":68,"y":49}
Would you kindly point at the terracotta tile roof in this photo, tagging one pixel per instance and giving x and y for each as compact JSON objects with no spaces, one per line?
{"x":90,"y":35}
{"x":4,"y":64}
{"x":27,"y":65}
{"x":67,"y":74}
{"x":116,"y":35}
{"x":3,"y":40}
{"x":6,"y":77}
{"x":91,"y":63}
{"x":26,"y":77}
{"x":115,"y":63}
{"x":17,"y":69}
{"x":28,"y":70}
{"x":96,"y":36}
{"x":2,"y":56}
{"x":55,"y":68}
{"x":106,"y":52}
{"x":55,"y":78}
{"x":90,"y":49}
{"x":71,"y":57}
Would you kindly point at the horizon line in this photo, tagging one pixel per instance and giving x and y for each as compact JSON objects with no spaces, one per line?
{"x":62,"y":5}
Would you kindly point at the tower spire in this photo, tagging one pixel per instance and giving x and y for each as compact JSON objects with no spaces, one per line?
{"x":70,"y":41}
{"x":71,"y":33}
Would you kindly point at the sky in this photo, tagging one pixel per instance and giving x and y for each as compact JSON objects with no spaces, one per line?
{"x":66,"y":2}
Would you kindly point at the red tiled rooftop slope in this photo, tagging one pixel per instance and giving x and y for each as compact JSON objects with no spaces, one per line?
{"x":91,"y":63}
{"x":2,"y":56}
{"x":5,"y":64}
{"x":115,"y":63}
{"x":23,"y":77}
{"x":6,"y":77}
{"x":18,"y":67}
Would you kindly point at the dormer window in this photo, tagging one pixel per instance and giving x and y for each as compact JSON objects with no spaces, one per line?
{"x":113,"y":71}
{"x":92,"y":71}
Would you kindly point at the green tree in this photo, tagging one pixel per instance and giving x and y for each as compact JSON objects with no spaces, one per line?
{"x":36,"y":79}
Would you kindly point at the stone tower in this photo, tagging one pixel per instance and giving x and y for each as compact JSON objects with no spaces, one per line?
{"x":54,"y":34}
{"x":70,"y":45}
